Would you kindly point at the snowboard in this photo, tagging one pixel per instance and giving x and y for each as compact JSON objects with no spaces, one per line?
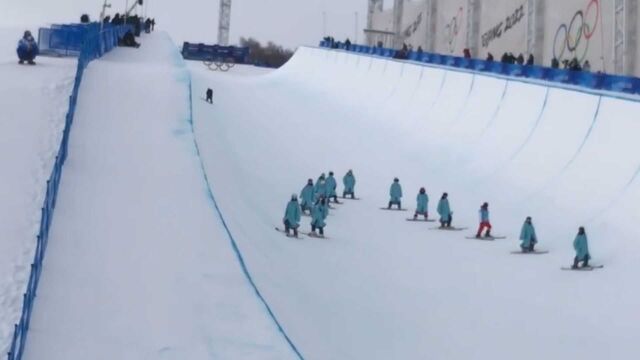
{"x":317,"y":236}
{"x":289,"y":235}
{"x":348,"y":198}
{"x":486,"y":238}
{"x":420,"y":220}
{"x":587,"y":268}
{"x":393,"y":209}
{"x":535,"y":252}
{"x":452,"y":228}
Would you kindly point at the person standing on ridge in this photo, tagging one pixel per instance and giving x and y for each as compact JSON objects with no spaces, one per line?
{"x":528,"y":236}
{"x":27,"y":49}
{"x":422,"y":207}
{"x":349,"y":182}
{"x":291,"y":218}
{"x":446,"y":215}
{"x":318,"y":216}
{"x":395,"y":194}
{"x":581,"y":247}
{"x":331,"y":186}
{"x":306,"y":196}
{"x":484,"y":221}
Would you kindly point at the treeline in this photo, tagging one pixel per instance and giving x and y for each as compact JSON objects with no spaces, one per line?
{"x":271,"y":55}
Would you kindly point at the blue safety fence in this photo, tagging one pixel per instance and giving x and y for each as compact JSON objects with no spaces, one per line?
{"x":68,"y":39}
{"x":586,"y":79}
{"x":95,"y":43}
{"x":215,"y":53}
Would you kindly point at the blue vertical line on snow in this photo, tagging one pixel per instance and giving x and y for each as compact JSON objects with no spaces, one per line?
{"x":535,"y":127}
{"x":465,"y":103}
{"x":586,"y":137}
{"x":498,"y":107}
{"x":234,"y":244}
{"x":444,"y":79}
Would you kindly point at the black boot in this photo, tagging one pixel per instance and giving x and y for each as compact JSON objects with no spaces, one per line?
{"x":389,"y":207}
{"x":575,"y":263}
{"x":415,"y":216}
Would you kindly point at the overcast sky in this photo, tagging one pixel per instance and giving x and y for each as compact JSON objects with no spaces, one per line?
{"x":286,"y":22}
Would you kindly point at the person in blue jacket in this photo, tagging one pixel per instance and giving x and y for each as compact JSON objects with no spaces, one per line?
{"x":331,"y":186}
{"x":306,"y":196}
{"x":528,"y":236}
{"x":291,"y":218}
{"x":320,"y":188}
{"x":484,"y":221}
{"x":582,"y":249}
{"x":349,"y":182}
{"x":446,"y":215}
{"x":395,"y":194}
{"x":422,"y":207}
{"x":318,"y":216}
{"x":27,"y":49}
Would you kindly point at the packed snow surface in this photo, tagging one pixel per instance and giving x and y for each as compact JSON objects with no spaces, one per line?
{"x":33,"y":104}
{"x":139,"y":265}
{"x":384,"y":288}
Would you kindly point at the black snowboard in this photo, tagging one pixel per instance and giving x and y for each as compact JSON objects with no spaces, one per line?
{"x":393,"y":209}
{"x":536,"y":252}
{"x":289,"y":235}
{"x":585,"y":268}
{"x":486,"y":238}
{"x":420,"y":220}
{"x":317,"y":236}
{"x":452,"y":228}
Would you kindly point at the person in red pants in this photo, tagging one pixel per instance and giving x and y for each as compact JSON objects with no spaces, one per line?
{"x":484,"y":221}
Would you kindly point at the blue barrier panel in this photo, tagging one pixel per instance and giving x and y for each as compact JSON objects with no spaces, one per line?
{"x":617,"y":83}
{"x":94,"y":44}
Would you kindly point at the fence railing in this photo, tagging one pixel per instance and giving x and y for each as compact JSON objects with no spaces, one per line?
{"x":95,"y":43}
{"x":586,"y":79}
{"x":68,"y":39}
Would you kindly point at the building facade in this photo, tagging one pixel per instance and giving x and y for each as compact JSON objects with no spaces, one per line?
{"x":603,"y":32}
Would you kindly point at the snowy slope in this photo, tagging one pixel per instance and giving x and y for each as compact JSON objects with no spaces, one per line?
{"x":384,"y":288}
{"x":139,"y":265}
{"x":33,"y":103}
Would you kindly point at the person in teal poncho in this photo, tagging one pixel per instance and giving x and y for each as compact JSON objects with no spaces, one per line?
{"x":528,"y":236}
{"x":292,"y":216}
{"x":581,"y":247}
{"x":349,"y":182}
{"x":395,"y":194}
{"x":422,"y":207}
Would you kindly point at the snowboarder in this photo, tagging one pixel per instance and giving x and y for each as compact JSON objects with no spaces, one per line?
{"x":528,"y":236}
{"x":320,"y":189}
{"x":446,"y":215}
{"x":210,"y":96}
{"x":422,"y":207}
{"x":484,"y":221}
{"x":27,"y":49}
{"x":331,"y":186}
{"x":306,"y":196}
{"x":318,"y":215}
{"x":349,"y":182}
{"x":582,"y":249}
{"x":395,"y":192}
{"x":291,"y":218}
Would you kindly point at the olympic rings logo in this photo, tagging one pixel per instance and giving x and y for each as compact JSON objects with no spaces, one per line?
{"x":573,"y":40}
{"x":219,"y":64}
{"x":452,"y":30}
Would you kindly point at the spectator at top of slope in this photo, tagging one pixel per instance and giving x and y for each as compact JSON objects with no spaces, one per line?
{"x":489,"y":57}
{"x":27,"y":49}
{"x":530,"y":61}
{"x":420,"y":51}
{"x":347,"y":44}
{"x":555,"y":64}
{"x":153,"y":24}
{"x":84,"y":19}
{"x":466,"y":53}
{"x":520,"y":59}
{"x":147,"y":26}
{"x":586,"y":66}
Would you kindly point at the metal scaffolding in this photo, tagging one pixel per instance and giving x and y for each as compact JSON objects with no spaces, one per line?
{"x":224,"y":22}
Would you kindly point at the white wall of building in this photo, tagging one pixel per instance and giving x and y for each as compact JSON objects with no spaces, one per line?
{"x":584,"y":29}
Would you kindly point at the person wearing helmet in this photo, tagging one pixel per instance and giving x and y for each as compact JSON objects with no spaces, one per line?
{"x":484,"y":221}
{"x":320,"y":189}
{"x":446,"y":215}
{"x":581,"y":247}
{"x":422,"y":207}
{"x":349,"y":182}
{"x":395,"y":194}
{"x":306,"y":196}
{"x":331,"y":186}
{"x":318,"y":216}
{"x":292,"y":216}
{"x":27,"y":49}
{"x":528,"y":236}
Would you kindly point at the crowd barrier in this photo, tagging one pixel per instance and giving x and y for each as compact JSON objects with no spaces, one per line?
{"x":591,"y":80}
{"x":68,"y":40}
{"x":215,"y":53}
{"x":95,"y":43}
